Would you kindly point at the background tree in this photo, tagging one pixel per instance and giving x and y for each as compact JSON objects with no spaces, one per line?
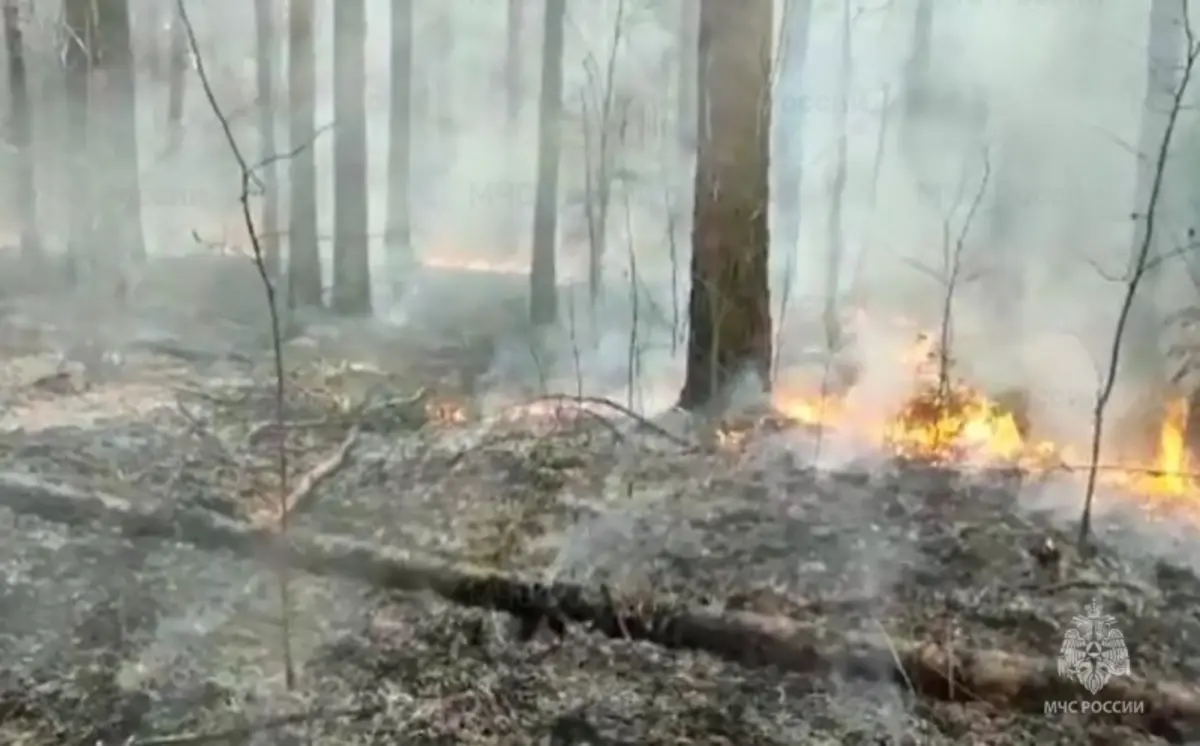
{"x":687,"y":70}
{"x":119,"y":221}
{"x":398,"y":238}
{"x":351,"y":248}
{"x":304,"y":254}
{"x":1164,"y":56}
{"x":543,"y":275}
{"x":266,"y":47}
{"x":78,"y":57}
{"x":21,"y":135}
{"x":177,"y":66}
{"x":788,"y":143}
{"x":729,"y":309}
{"x":512,"y":110}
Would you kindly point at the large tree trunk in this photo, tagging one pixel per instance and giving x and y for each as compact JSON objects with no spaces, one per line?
{"x":351,"y":248}
{"x":266,"y":48}
{"x":177,"y":65}
{"x":80,"y":185}
{"x":512,"y":121}
{"x":120,"y":219}
{"x":543,"y":276}
{"x":21,"y":136}
{"x":399,"y":216}
{"x":729,"y":309}
{"x":304,"y":254}
{"x":788,"y":145}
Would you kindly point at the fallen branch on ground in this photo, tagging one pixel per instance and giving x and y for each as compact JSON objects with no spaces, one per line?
{"x":752,"y":640}
{"x":304,"y":494}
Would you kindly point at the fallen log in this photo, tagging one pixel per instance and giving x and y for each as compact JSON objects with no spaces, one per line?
{"x":1167,"y":709}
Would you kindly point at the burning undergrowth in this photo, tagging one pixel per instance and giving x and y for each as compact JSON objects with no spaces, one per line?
{"x":905,"y":544}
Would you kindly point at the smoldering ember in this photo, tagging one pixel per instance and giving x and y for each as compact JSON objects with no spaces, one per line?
{"x":599,"y":373}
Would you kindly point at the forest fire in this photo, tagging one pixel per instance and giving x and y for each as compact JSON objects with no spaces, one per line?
{"x":1169,"y":477}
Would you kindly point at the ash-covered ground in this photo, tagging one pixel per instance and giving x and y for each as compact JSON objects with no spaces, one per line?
{"x":112,"y":639}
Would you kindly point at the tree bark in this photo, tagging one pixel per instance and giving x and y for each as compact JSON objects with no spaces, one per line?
{"x":266,"y":49}
{"x":748,"y":639}
{"x":304,"y":254}
{"x":21,"y":136}
{"x":543,"y":295}
{"x":120,"y":219}
{"x":351,"y":249}
{"x":399,"y":220}
{"x":177,"y":65}
{"x":80,"y":185}
{"x":729,"y":309}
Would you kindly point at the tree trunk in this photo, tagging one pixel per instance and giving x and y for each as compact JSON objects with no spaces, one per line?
{"x":599,"y":174}
{"x":836,"y":237}
{"x":788,"y":146}
{"x":153,"y":23}
{"x":917,"y":67}
{"x":543,"y":281}
{"x":1144,"y":366}
{"x":266,"y":48}
{"x":304,"y":254}
{"x":80,"y":185}
{"x":120,"y":219}
{"x":729,"y":308}
{"x":512,"y":100}
{"x":399,"y":220}
{"x":351,"y":248}
{"x":177,"y":65}
{"x":21,"y":136}
{"x":688,"y":90}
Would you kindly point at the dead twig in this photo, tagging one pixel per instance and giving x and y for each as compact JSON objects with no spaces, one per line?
{"x":303,"y":495}
{"x":583,"y":401}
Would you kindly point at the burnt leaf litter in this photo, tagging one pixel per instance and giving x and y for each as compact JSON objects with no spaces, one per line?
{"x":117,"y":639}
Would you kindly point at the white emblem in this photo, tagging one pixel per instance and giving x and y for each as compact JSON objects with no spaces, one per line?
{"x":1093,"y":650}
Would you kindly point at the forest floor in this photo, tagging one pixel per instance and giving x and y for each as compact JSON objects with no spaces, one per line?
{"x":112,"y":638}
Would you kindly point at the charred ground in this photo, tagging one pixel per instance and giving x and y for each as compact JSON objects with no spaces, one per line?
{"x":117,"y":638}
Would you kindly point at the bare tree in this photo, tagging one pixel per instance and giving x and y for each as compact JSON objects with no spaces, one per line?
{"x":21,"y":135}
{"x":543,"y":295}
{"x":1144,"y":359}
{"x":512,"y":121}
{"x":918,"y":65}
{"x":304,"y":255}
{"x":688,"y":70}
{"x":79,"y":31}
{"x":177,"y":65}
{"x":1169,"y":19}
{"x":729,"y":308}
{"x":788,"y":143}
{"x":119,"y":223}
{"x":836,"y":237}
{"x":398,"y":238}
{"x":598,"y":176}
{"x":266,"y":49}
{"x":351,"y":248}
